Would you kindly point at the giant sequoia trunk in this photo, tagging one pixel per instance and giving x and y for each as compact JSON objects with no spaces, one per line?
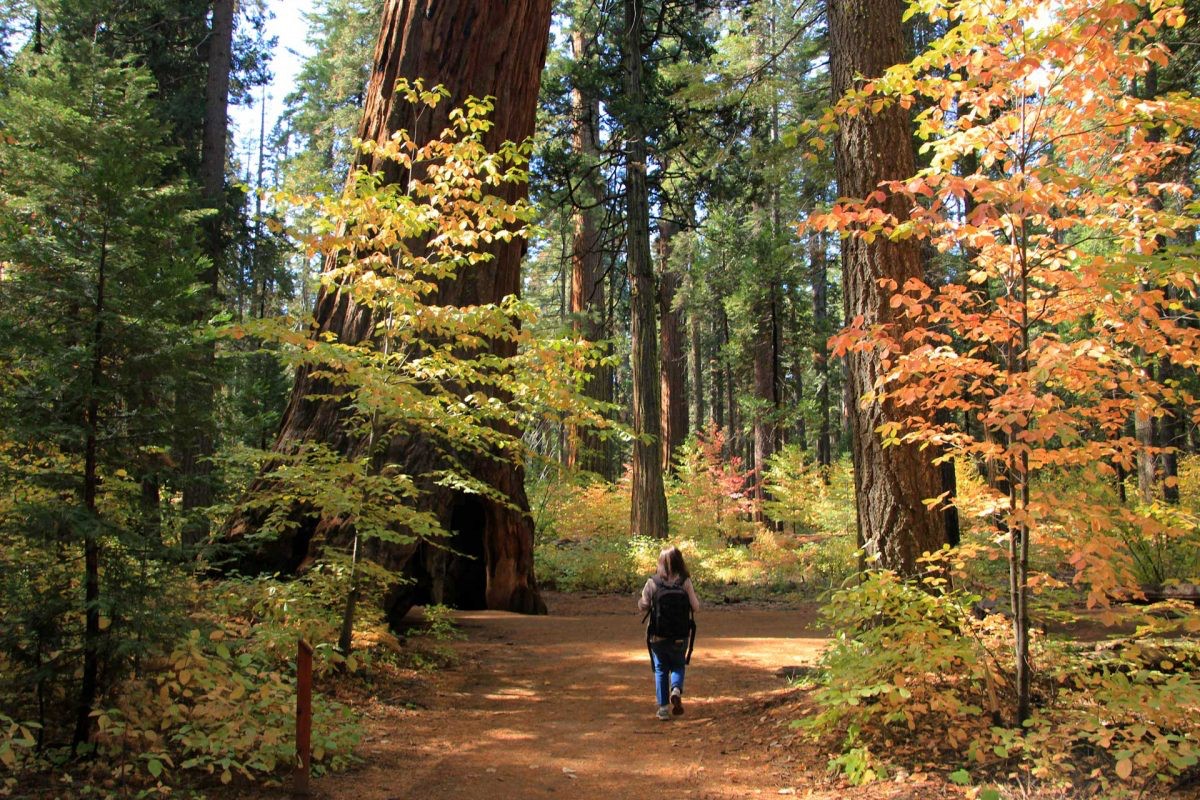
{"x":890,"y":483}
{"x":473,"y":49}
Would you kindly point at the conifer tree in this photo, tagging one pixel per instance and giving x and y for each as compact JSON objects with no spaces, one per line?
{"x":97,"y":266}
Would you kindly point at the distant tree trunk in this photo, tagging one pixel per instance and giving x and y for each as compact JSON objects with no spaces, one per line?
{"x":1143,"y":425}
{"x":1171,"y":435}
{"x":890,"y":483}
{"x":716,"y":381}
{"x":473,"y":49}
{"x":732,"y":437}
{"x":89,"y":685}
{"x":649,"y":505}
{"x":819,"y":275}
{"x":791,"y":344}
{"x":1120,"y":473}
{"x":766,"y":387}
{"x":672,"y":358}
{"x":585,"y":450}
{"x":950,"y":486}
{"x":198,"y":445}
{"x":1167,"y":431}
{"x":695,"y":370}
{"x":768,"y":349}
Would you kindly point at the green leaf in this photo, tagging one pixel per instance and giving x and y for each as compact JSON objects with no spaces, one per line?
{"x":155,"y":767}
{"x":960,"y":777}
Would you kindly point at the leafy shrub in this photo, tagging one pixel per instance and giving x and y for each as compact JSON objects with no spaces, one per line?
{"x":907,"y":662}
{"x":583,"y":541}
{"x":271,"y":615}
{"x":911,"y":670}
{"x":218,"y":700}
{"x":222,"y":700}
{"x":428,"y":650}
{"x":1164,"y":543}
{"x":16,"y":750}
{"x":222,"y":710}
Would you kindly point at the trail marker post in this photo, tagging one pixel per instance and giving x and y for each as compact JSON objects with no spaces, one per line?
{"x":300,"y":778}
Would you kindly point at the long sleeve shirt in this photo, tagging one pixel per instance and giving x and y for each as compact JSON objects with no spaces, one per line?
{"x":648,"y":595}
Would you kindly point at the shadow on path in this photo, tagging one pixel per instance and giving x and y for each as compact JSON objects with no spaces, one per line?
{"x":563,"y":706}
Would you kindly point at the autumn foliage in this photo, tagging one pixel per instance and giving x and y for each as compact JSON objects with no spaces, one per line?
{"x":1054,"y":198}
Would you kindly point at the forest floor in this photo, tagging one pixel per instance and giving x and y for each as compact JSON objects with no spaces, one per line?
{"x":563,"y":706}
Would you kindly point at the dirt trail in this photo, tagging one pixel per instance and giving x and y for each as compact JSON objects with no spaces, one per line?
{"x":563,"y":706}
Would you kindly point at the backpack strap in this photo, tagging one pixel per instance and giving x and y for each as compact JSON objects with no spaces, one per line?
{"x":646,"y":616}
{"x":650,"y":608}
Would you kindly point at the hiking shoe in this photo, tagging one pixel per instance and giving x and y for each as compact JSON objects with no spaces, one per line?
{"x":676,"y":701}
{"x":663,"y":713}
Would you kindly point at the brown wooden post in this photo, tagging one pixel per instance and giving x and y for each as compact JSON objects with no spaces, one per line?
{"x":303,"y":717}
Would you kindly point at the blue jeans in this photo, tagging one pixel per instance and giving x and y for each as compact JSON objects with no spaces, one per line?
{"x":668,"y":661}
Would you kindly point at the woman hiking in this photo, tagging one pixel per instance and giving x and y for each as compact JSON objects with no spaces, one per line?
{"x":669,"y":601}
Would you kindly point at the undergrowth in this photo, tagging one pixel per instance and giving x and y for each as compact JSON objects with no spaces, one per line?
{"x":583,"y":540}
{"x":916,"y":677}
{"x":215,"y":704}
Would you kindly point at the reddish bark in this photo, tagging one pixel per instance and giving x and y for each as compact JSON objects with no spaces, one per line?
{"x":473,"y":49}
{"x":766,"y":388}
{"x":672,"y":357}
{"x":820,"y":291}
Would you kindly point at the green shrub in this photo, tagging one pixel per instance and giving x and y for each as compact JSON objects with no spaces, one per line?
{"x":222,"y":707}
{"x":16,"y":751}
{"x":427,"y":649}
{"x":583,"y":541}
{"x":913,"y":674}
{"x":906,"y":661}
{"x":218,"y":700}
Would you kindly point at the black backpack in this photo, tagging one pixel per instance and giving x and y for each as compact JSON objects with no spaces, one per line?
{"x":670,"y":614}
{"x":670,"y":610}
